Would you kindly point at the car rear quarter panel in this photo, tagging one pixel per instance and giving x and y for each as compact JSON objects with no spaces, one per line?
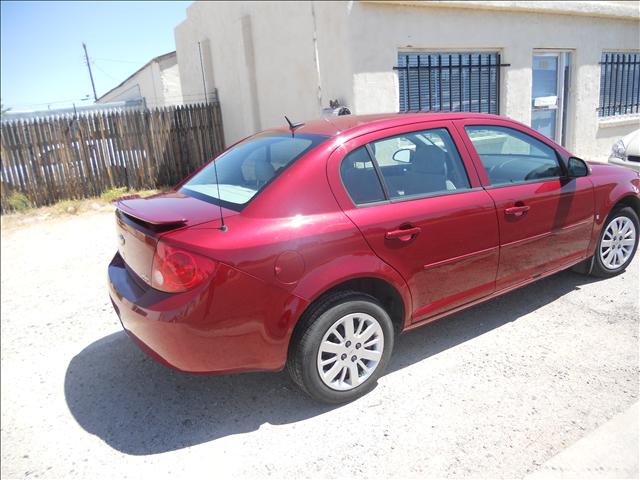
{"x":287,"y":248}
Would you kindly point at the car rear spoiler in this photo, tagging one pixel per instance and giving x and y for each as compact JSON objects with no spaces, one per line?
{"x":148,"y":217}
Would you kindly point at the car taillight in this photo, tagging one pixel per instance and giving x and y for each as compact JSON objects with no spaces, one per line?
{"x":176,"y":270}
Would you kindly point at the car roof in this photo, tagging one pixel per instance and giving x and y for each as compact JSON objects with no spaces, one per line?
{"x":354,"y":125}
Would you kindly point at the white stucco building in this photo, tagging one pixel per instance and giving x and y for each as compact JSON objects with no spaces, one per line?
{"x":157,"y":83}
{"x":268,"y":59}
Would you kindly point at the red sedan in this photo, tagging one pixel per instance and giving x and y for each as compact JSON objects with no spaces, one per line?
{"x":314,"y":246}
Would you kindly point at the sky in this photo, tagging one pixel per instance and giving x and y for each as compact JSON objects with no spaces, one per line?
{"x":42,"y":60}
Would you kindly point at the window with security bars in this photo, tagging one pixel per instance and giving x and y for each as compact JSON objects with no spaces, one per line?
{"x":619,"y":83}
{"x":451,"y":82}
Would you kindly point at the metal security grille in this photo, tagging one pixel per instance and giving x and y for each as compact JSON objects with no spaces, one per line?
{"x":619,"y":84}
{"x":453,"y":82}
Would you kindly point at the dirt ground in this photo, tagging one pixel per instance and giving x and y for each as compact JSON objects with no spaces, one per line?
{"x":491,"y":392}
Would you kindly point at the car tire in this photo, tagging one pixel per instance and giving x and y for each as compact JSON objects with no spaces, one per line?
{"x":332,"y":370}
{"x":617,"y":244}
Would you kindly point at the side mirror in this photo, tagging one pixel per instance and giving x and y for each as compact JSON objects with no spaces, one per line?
{"x":403,"y":155}
{"x":577,"y":167}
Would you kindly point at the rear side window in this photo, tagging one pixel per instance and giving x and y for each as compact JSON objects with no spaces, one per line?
{"x":360,"y":178}
{"x":248,"y":167}
{"x":510,"y":156}
{"x":420,"y":163}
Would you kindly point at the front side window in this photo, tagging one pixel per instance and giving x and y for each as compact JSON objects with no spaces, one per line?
{"x":420,"y":163}
{"x":510,"y":156}
{"x":248,"y":167}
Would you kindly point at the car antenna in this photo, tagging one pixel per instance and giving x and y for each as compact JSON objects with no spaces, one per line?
{"x":223,"y":227}
{"x":293,"y":126}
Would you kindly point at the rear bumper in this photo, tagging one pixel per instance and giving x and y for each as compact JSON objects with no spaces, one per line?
{"x":210,"y":329}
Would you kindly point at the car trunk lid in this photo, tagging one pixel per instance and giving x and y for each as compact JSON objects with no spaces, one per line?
{"x":140,"y":222}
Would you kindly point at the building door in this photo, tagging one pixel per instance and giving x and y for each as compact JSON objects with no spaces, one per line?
{"x":550,"y":72}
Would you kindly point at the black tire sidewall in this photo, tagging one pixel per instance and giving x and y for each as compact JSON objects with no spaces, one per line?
{"x":599,"y":268}
{"x":311,"y":342}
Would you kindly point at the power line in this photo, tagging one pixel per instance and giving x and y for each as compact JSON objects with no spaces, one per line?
{"x":49,"y":103}
{"x":154,"y":100}
{"x":103,"y":71}
{"x":150,"y":99}
{"x":117,"y":61}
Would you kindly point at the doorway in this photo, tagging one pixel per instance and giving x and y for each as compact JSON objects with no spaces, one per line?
{"x":550,"y":88}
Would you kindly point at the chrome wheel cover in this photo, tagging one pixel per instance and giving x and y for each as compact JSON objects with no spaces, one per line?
{"x":350,"y":351}
{"x":617,"y":243}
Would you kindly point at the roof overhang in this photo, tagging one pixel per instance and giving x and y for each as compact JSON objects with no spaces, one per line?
{"x":622,"y":10}
{"x":153,"y":60}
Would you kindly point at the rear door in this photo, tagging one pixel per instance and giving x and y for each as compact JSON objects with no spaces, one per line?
{"x":545,"y":218}
{"x":417,"y":200}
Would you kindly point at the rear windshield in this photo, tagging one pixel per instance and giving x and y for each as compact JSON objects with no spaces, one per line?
{"x":248,"y":167}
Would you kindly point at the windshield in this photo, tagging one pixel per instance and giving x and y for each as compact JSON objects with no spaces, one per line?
{"x":248,"y":167}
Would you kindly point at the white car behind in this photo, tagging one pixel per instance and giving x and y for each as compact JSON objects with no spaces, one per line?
{"x":626,"y":151}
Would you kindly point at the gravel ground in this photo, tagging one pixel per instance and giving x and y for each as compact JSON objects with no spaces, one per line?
{"x":491,"y":392}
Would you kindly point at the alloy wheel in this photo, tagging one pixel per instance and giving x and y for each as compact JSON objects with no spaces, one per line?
{"x":350,"y":351}
{"x":617,"y":242}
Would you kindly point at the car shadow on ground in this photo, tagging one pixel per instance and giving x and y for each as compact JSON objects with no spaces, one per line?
{"x":140,"y":407}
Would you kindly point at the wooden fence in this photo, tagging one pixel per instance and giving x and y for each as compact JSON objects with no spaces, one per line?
{"x":71,"y":157}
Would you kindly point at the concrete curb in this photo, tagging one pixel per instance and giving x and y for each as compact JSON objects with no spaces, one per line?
{"x":610,"y":451}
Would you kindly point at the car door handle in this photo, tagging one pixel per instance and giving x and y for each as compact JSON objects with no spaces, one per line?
{"x":518,"y":211}
{"x":403,"y":234}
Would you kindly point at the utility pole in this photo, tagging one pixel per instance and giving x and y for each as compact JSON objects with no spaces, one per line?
{"x":86,"y":57}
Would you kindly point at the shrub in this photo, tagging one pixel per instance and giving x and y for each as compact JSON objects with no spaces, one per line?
{"x":18,"y":202}
{"x":113,"y":193}
{"x":68,"y":206}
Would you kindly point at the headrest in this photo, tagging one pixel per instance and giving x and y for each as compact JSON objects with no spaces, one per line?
{"x":264,"y":170}
{"x":428,"y":159}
